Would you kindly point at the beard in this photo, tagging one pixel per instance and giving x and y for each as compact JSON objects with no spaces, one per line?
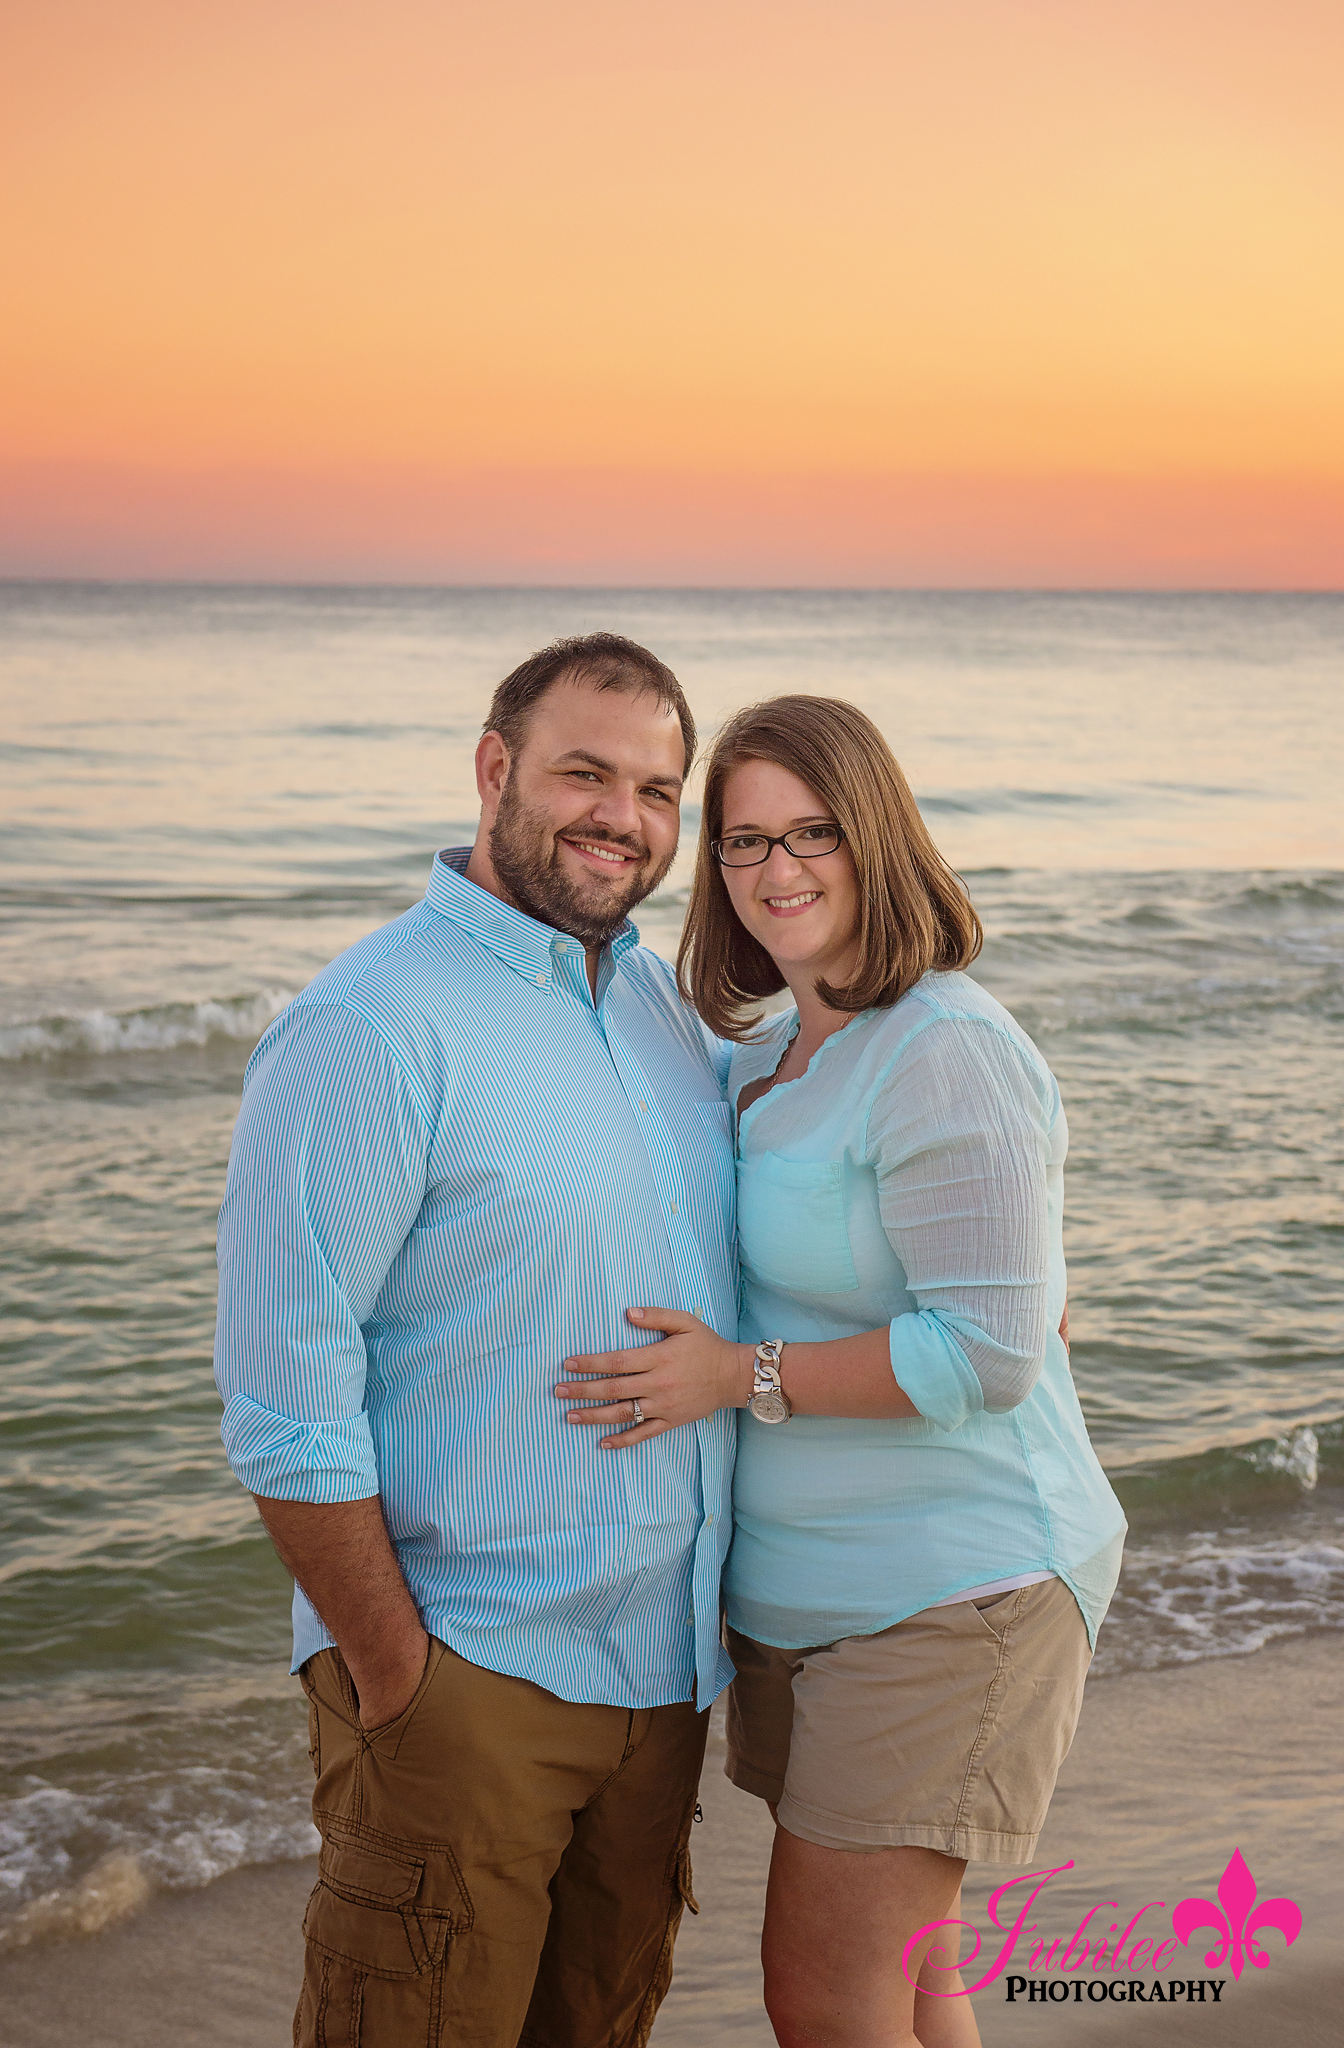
{"x":525,"y":851}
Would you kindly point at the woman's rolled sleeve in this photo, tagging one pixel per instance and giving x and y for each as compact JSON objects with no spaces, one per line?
{"x":326,"y":1177}
{"x":958,"y":1133}
{"x":930,"y":1366}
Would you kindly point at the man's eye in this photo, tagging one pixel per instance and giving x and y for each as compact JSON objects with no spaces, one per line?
{"x":662,"y":796}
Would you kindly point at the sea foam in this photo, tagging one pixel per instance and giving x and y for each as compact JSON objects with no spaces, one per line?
{"x":75,"y":1861}
{"x":100,"y":1034}
{"x":1222,"y":1593}
{"x":116,"y":1888}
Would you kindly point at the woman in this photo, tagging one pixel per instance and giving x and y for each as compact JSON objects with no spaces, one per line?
{"x":925,"y":1543}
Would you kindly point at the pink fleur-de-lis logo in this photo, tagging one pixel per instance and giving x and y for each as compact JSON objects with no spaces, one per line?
{"x":1238,"y":1919}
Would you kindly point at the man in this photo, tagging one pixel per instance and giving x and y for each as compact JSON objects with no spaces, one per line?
{"x":470,"y":1145}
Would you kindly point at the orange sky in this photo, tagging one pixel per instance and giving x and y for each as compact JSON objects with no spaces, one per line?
{"x":889,"y":291}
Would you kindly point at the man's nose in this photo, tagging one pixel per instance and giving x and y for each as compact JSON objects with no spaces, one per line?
{"x":618,"y":810}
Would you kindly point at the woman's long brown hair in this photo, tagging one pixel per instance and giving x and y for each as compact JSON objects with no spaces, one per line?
{"x":914,"y":912}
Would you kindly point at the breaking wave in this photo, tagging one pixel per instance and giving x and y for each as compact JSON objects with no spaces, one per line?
{"x":1229,"y":1550}
{"x":101,"y":1034}
{"x":192,"y":1799}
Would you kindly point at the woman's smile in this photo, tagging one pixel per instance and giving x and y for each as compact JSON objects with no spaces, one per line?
{"x":789,"y":906}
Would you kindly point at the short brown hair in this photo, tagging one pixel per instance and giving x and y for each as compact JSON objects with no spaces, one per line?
{"x":914,"y":912}
{"x":606,"y":661}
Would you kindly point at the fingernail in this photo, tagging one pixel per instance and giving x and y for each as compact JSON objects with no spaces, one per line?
{"x":635,"y":1314}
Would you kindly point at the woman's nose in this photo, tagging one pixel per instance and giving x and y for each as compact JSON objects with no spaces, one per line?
{"x":782,"y":866}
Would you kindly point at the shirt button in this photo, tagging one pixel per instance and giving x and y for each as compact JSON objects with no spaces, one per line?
{"x":674,"y":1208}
{"x":541,"y":981}
{"x":709,"y":1521}
{"x":644,"y":1106}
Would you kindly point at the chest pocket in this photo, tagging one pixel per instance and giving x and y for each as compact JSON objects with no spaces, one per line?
{"x":791,"y":1224}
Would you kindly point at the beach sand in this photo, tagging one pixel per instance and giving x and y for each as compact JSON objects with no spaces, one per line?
{"x":1170,"y":1772}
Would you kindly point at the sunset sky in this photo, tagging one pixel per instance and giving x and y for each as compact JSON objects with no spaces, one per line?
{"x":1042,"y":292}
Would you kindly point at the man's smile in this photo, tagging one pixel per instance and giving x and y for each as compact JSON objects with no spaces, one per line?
{"x":600,"y":853}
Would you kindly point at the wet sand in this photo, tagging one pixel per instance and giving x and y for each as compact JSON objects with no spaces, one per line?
{"x":1171,"y":1771}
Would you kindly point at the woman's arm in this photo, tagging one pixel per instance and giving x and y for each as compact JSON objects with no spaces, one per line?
{"x":957,"y":1136}
{"x":693,"y":1372}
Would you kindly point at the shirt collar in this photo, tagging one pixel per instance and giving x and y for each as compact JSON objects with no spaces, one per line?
{"x":520,"y":941}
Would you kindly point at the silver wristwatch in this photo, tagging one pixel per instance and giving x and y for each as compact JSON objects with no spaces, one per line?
{"x":769,"y":1402}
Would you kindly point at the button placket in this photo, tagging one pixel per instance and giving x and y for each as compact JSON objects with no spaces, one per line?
{"x":668,"y":1180}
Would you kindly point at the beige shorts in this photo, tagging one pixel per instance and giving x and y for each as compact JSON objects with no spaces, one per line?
{"x":945,"y":1732}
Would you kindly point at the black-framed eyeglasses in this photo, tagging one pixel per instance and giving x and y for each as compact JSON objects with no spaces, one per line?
{"x":753,"y":849}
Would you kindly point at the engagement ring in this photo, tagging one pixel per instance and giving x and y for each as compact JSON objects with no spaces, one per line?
{"x":639,"y":1412}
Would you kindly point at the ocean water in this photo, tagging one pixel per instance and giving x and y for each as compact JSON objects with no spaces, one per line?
{"x":209,"y":792}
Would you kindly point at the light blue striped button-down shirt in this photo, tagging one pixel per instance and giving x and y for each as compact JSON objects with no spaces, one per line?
{"x":452,"y":1170}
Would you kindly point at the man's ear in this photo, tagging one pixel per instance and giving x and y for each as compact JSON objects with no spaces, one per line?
{"x":492,"y":770}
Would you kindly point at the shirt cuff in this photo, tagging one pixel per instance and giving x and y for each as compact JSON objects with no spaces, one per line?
{"x":933,"y":1370}
{"x":282,"y":1459}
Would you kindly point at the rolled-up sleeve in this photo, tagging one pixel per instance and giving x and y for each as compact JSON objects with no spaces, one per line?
{"x":326,"y":1177}
{"x":959,"y":1135}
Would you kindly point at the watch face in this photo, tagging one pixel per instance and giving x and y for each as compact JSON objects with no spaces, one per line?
{"x":769,"y":1407}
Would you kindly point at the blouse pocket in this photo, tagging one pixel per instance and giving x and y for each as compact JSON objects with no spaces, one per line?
{"x":791,"y":1224}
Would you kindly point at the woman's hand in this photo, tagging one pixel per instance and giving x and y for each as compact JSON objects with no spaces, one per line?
{"x":690,"y":1374}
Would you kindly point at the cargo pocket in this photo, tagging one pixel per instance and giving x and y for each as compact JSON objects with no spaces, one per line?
{"x":387,"y":1905}
{"x":683,"y":1879}
{"x":679,"y":1885}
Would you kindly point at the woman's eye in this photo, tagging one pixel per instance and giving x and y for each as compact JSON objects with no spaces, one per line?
{"x":819,"y":832}
{"x":746,"y":845}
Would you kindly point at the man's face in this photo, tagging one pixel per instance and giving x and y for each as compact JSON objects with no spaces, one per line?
{"x":586,"y":813}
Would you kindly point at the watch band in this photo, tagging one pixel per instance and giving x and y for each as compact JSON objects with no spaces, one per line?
{"x":769,"y":1402}
{"x":769,"y":1352}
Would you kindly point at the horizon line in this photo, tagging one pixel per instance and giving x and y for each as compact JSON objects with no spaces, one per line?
{"x":322,"y":583}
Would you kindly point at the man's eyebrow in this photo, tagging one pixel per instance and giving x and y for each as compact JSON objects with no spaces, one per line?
{"x":610,"y":768}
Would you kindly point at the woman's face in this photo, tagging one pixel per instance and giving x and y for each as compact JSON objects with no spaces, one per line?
{"x":804,"y":910}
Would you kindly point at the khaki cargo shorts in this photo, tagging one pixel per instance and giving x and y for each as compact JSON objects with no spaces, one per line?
{"x":945,"y":1732}
{"x":499,"y":1867}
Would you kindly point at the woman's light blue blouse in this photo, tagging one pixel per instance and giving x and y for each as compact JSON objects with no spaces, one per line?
{"x":912,"y":1176}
